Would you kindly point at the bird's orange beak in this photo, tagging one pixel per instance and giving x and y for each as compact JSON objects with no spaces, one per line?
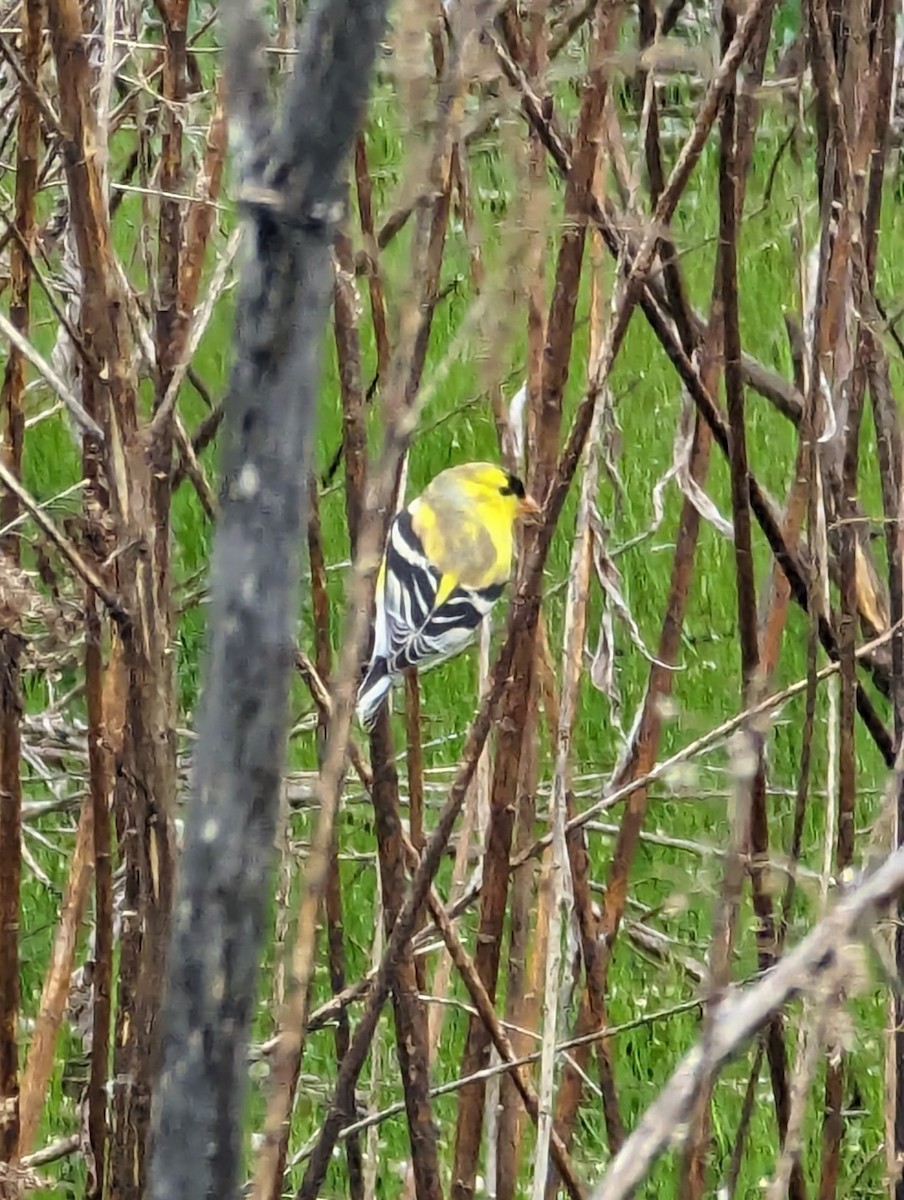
{"x":528,"y":508}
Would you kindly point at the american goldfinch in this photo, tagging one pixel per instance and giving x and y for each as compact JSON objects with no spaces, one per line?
{"x":447,"y":560}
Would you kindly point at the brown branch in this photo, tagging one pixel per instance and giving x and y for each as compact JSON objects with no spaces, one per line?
{"x":767,"y":518}
{"x":146,"y":777}
{"x":546,"y":384}
{"x":342,"y":1036}
{"x":655,"y":170}
{"x":11,"y":647}
{"x":55,"y":992}
{"x":513,"y":723}
{"x":761,"y":506}
{"x":592,"y":1010}
{"x":379,"y":501}
{"x":189,"y":264}
{"x":599,"y":941}
{"x":12,"y":431}
{"x":547,"y":416}
{"x":332,"y":901}
{"x":414,"y":755}
{"x":399,"y":390}
{"x":749,"y":809}
{"x":287,"y":1056}
{"x":687,"y":159}
{"x":184,"y":336}
{"x":487,"y":1013}
{"x":661,"y":680}
{"x":504,"y":1068}
{"x":351,"y":391}
{"x":562,"y":807}
{"x":149,"y":857}
{"x":410,"y":1014}
{"x":527,"y":940}
{"x":712,"y":738}
{"x":771,"y":939}
{"x":102,"y":971}
{"x":374,"y":279}
{"x":199,"y":221}
{"x":414,"y":765}
{"x":521,"y":615}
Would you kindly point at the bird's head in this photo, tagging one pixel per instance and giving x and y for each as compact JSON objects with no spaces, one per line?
{"x":496,"y":489}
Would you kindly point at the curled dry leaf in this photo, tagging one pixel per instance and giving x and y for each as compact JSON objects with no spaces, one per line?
{"x":602,"y":667}
{"x":680,"y":472}
{"x":64,"y":356}
{"x":690,"y":489}
{"x":872,"y":602}
{"x":516,"y":421}
{"x":614,"y":603}
{"x":839,"y":337}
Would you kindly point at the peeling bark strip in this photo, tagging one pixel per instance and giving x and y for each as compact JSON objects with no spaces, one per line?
{"x":292,"y":191}
{"x":40,"y":1062}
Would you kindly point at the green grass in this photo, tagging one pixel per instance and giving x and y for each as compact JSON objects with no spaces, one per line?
{"x":648,"y":399}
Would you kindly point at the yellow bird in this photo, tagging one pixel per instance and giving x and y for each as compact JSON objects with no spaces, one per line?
{"x":447,"y":560}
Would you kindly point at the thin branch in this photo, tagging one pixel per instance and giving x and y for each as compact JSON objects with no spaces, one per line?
{"x":712,"y":738}
{"x":73,"y":405}
{"x":507,"y":1066}
{"x":200,"y":321}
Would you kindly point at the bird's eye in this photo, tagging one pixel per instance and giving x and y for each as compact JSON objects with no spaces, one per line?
{"x":513,"y":487}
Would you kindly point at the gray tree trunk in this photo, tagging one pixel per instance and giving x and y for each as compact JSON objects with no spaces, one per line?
{"x":292,"y":194}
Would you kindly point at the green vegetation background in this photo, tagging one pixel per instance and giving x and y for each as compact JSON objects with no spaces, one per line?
{"x":677,"y":888}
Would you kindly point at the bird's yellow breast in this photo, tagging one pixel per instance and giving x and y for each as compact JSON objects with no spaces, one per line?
{"x":470,"y":543}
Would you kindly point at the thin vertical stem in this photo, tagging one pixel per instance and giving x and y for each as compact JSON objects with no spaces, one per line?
{"x":12,"y":433}
{"x":102,"y":977}
{"x":410,"y":1014}
{"x":749,"y":790}
{"x":11,"y":647}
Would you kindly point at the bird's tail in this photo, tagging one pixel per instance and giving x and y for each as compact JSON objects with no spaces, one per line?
{"x":372,"y":692}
